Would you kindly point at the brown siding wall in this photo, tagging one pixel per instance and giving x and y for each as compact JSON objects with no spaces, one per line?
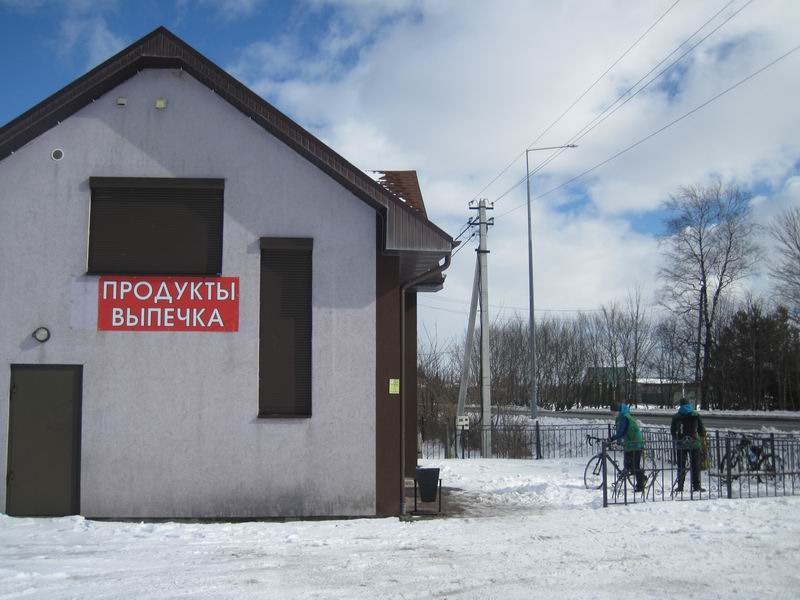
{"x":387,"y":409}
{"x":411,"y":383}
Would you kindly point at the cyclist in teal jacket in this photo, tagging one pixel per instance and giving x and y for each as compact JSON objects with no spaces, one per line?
{"x":628,"y":432}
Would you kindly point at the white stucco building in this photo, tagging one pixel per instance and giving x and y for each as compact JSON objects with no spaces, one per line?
{"x":158,"y":174}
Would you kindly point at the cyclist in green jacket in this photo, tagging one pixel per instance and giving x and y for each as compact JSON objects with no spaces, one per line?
{"x":628,"y":432}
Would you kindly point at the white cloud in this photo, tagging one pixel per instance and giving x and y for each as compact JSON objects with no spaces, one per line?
{"x":230,"y":10}
{"x":89,"y":37}
{"x":765,"y":210}
{"x":457,"y":89}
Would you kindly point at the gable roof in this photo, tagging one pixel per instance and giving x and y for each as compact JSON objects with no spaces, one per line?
{"x":405,"y":230}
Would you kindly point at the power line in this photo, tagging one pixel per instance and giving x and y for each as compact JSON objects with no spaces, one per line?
{"x":504,"y":306}
{"x":502,"y":316}
{"x":611,"y":108}
{"x":608,"y":111}
{"x":463,"y":245}
{"x":450,"y":310}
{"x":599,"y":120}
{"x":579,"y":98}
{"x":463,"y":230}
{"x":525,"y":309}
{"x":653,"y":134}
{"x":514,"y":308}
{"x":614,"y":107}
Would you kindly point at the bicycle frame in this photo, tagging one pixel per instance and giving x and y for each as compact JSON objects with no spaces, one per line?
{"x":622,"y":478}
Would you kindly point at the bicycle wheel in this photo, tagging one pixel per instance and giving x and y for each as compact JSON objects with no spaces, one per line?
{"x":653,"y":482}
{"x":770,"y":467}
{"x":624,"y":485}
{"x":730,"y":462}
{"x":593,"y":473}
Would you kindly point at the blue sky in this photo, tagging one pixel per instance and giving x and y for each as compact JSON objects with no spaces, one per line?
{"x":457,"y":89}
{"x":39,"y":57}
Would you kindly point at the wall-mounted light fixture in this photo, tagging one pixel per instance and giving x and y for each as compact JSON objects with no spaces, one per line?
{"x":41,"y":335}
{"x":161,"y":103}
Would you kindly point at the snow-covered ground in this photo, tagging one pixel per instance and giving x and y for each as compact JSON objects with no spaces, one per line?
{"x":527,"y":529}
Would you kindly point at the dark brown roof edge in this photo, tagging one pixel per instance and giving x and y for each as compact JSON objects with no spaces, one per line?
{"x":163,"y":49}
{"x":404,"y":185}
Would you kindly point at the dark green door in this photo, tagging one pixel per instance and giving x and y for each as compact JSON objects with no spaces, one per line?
{"x":44,"y":440}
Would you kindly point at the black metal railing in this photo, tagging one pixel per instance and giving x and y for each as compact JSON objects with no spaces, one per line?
{"x":543,"y":441}
{"x":516,"y":441}
{"x":729,"y":465}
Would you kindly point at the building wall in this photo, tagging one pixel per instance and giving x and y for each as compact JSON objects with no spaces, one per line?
{"x":169,"y":425}
{"x":387,"y":413}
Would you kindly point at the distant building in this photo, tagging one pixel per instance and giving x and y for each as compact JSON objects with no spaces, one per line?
{"x":223,"y":308}
{"x":664,"y":392}
{"x":603,"y":386}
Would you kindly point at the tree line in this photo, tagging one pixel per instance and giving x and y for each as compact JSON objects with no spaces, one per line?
{"x":697,"y":339}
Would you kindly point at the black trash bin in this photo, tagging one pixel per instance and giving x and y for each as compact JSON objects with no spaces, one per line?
{"x":428,"y":482}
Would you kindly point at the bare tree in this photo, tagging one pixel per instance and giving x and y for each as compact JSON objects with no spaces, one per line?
{"x":708,"y":247}
{"x":604,"y":375}
{"x":562,"y":357}
{"x":785,"y":230}
{"x":670,"y":359}
{"x":637,"y":341}
{"x":438,"y":369}
{"x":510,"y":376}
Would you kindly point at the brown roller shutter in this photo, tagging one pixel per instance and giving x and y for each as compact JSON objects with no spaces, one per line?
{"x":285,"y":328}
{"x":156,"y":226}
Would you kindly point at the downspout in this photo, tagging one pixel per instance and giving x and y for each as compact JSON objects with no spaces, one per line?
{"x":408,"y":284}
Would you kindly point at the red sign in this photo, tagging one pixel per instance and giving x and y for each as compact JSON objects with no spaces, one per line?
{"x":168,"y":303}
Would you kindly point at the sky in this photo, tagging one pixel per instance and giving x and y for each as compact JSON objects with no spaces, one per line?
{"x":656,"y":95}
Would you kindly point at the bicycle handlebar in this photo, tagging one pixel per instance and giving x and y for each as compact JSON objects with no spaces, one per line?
{"x":592,"y":439}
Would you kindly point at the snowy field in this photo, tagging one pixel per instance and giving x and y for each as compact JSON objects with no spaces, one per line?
{"x":517,"y":529}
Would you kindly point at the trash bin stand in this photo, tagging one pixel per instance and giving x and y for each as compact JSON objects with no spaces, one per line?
{"x":440,"y":495}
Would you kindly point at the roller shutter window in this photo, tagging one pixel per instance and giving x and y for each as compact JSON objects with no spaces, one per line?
{"x":155,"y":226}
{"x":285,"y":328}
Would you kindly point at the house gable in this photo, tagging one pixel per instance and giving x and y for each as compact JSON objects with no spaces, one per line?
{"x":405,"y":229}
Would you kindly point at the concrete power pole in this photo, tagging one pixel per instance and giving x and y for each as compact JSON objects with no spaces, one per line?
{"x":467,"y":362}
{"x":486,"y":372}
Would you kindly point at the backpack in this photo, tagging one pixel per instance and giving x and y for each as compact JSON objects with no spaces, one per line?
{"x":705,"y":454}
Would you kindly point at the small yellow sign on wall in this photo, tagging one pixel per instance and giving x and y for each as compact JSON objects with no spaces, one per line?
{"x":394,"y":386}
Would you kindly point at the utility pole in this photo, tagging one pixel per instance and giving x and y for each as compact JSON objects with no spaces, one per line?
{"x":486,"y":373}
{"x":531,"y":319}
{"x":467,"y":362}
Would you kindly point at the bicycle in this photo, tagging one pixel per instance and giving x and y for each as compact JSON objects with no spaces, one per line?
{"x":621,"y":478}
{"x":747,"y":458}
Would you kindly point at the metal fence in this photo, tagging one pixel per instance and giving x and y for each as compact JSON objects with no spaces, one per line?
{"x":516,"y":441}
{"x":730,"y":465}
{"x":541,"y":441}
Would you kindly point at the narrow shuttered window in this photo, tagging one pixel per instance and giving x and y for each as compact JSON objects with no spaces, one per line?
{"x":285,"y":328}
{"x":155,"y":226}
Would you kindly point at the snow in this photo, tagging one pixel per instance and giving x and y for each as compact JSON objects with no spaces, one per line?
{"x":514,"y":529}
